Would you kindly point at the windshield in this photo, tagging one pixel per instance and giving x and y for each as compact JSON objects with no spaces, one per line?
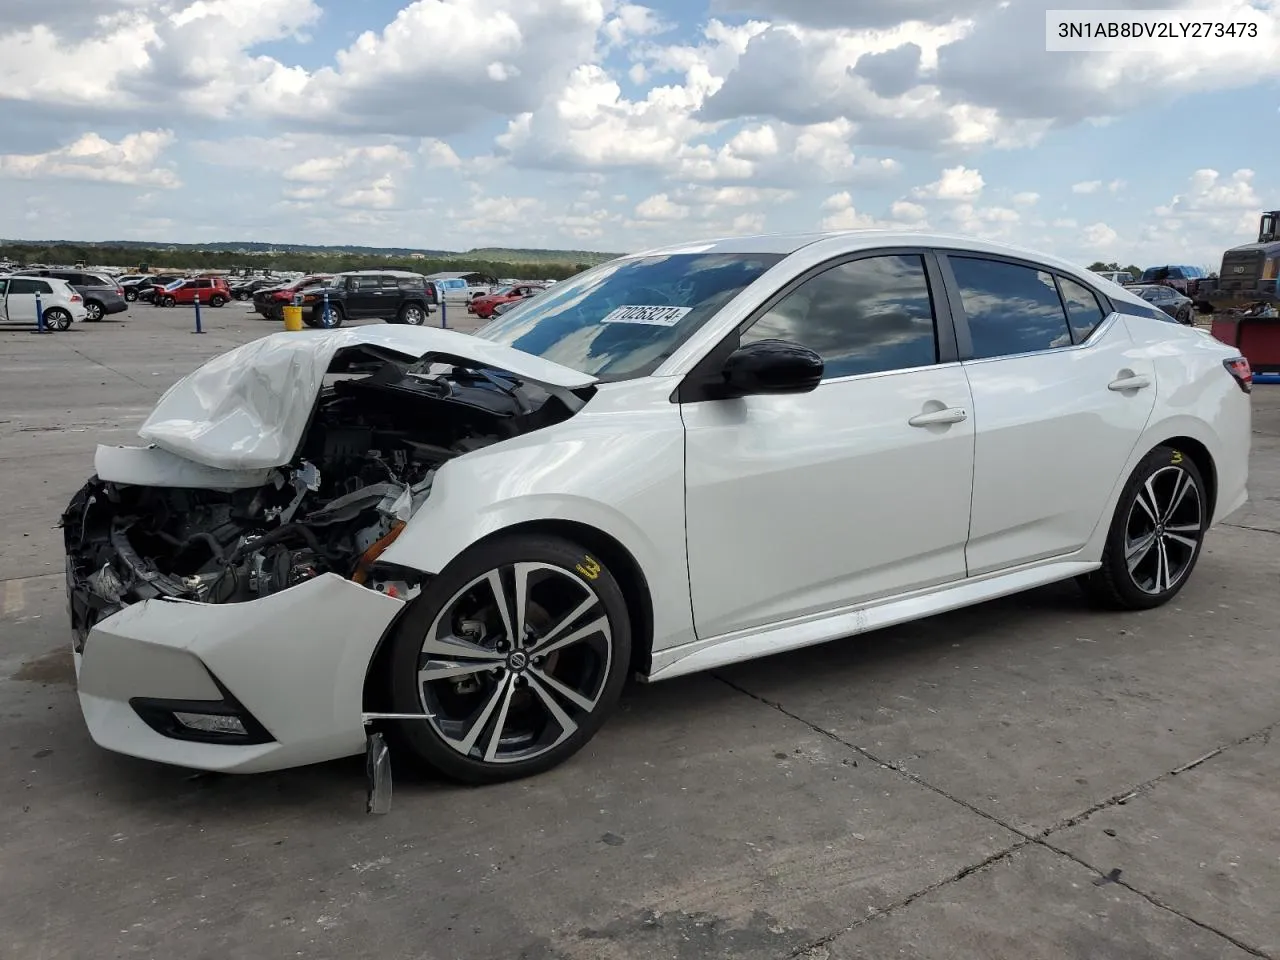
{"x":623,"y":318}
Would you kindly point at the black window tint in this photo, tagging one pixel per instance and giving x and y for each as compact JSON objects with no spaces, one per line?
{"x":864,"y":316}
{"x":1083,"y":308}
{"x":1011,"y":309}
{"x":23,"y":285}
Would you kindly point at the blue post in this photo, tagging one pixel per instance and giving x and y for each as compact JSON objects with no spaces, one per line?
{"x":326,"y":318}
{"x":444,"y":313}
{"x":40,"y":327}
{"x":199,"y":329}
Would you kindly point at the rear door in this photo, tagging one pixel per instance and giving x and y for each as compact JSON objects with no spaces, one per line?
{"x":4,"y":290}
{"x":1059,"y":401}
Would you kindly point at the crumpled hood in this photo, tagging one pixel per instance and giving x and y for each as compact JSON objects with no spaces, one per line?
{"x":249,"y":408}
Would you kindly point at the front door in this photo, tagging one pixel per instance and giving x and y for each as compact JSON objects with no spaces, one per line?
{"x":1059,"y":401}
{"x":364,"y":295}
{"x":20,"y":299}
{"x":803,"y":504}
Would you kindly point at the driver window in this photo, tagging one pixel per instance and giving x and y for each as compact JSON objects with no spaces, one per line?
{"x":866,"y":316}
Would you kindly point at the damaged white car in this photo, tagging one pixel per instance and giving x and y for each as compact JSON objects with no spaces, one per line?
{"x":674,"y":461}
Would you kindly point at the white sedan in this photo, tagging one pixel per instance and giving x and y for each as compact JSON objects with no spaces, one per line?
{"x":677,"y":460}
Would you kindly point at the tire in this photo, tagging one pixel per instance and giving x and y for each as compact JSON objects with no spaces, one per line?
{"x":1127,"y":579}
{"x":93,"y":311}
{"x":217,"y":300}
{"x":55,"y":318}
{"x":413,"y":314}
{"x":475,"y":691}
{"x":316,"y":317}
{"x":131,"y":296}
{"x":169,"y":301}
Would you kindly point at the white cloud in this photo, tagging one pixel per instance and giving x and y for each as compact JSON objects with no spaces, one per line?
{"x":133,"y":160}
{"x":1027,"y":199}
{"x":660,"y":207}
{"x":956,"y":183}
{"x":631,"y":21}
{"x":1087,"y":186}
{"x":437,"y":153}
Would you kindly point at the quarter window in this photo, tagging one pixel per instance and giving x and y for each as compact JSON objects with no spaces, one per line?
{"x":1083,"y":309}
{"x":864,"y":316}
{"x":1011,"y":309}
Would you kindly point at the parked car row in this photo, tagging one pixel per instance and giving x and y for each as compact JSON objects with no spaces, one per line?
{"x":100,"y":295}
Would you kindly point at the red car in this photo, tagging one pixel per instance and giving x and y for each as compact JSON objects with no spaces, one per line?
{"x":483,"y":307}
{"x":211,"y":290}
{"x":268,"y":301}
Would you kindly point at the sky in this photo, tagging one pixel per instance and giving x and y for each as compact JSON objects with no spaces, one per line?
{"x":615,"y":126}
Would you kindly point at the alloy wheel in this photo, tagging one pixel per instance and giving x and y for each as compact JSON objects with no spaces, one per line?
{"x":1163,"y":530}
{"x":413,"y":315}
{"x":93,"y":311}
{"x":514,"y":662}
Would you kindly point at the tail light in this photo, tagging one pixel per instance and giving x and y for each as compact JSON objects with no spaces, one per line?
{"x":119,"y":291}
{"x":76,"y":298}
{"x":1239,"y":368}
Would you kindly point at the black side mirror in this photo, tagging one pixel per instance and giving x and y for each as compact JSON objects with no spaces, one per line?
{"x":771,"y":366}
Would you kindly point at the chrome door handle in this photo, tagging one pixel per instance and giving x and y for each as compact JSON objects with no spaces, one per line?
{"x":1136,"y":382}
{"x":939,"y":417}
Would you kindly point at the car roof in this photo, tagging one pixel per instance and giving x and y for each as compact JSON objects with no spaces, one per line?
{"x":378,"y":273}
{"x":854,"y":240}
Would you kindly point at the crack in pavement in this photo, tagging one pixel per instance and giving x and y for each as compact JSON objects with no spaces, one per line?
{"x":1039,"y":838}
{"x":1242,"y":526}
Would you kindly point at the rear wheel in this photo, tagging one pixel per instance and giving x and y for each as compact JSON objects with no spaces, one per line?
{"x":318,"y":319}
{"x":413,"y":314}
{"x":217,"y":300}
{"x":1156,"y":534}
{"x":92,"y":311}
{"x":55,"y":318}
{"x":169,"y":301}
{"x":131,"y":295}
{"x":518,"y":650}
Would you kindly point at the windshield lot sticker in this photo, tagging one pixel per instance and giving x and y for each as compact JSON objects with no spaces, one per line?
{"x":653,"y":316}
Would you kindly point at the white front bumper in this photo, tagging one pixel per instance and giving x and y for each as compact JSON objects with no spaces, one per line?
{"x":296,"y":661}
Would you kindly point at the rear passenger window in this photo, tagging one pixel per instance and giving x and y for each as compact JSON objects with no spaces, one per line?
{"x":1011,"y":309}
{"x":865,"y":316}
{"x":1083,"y":309}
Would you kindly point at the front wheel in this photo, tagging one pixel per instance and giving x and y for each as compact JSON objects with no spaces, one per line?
{"x":519,"y":651}
{"x":131,"y":296}
{"x":1156,"y":534}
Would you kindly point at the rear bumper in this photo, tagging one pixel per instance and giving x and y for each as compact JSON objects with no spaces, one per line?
{"x":291,"y":667}
{"x":114,"y":306}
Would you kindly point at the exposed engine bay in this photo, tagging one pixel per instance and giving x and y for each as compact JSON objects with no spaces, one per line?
{"x":381,"y":427}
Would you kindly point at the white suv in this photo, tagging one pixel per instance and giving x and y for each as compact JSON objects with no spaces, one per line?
{"x":58,"y":300}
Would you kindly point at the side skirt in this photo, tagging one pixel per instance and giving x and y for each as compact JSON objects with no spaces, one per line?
{"x":850,"y":621}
